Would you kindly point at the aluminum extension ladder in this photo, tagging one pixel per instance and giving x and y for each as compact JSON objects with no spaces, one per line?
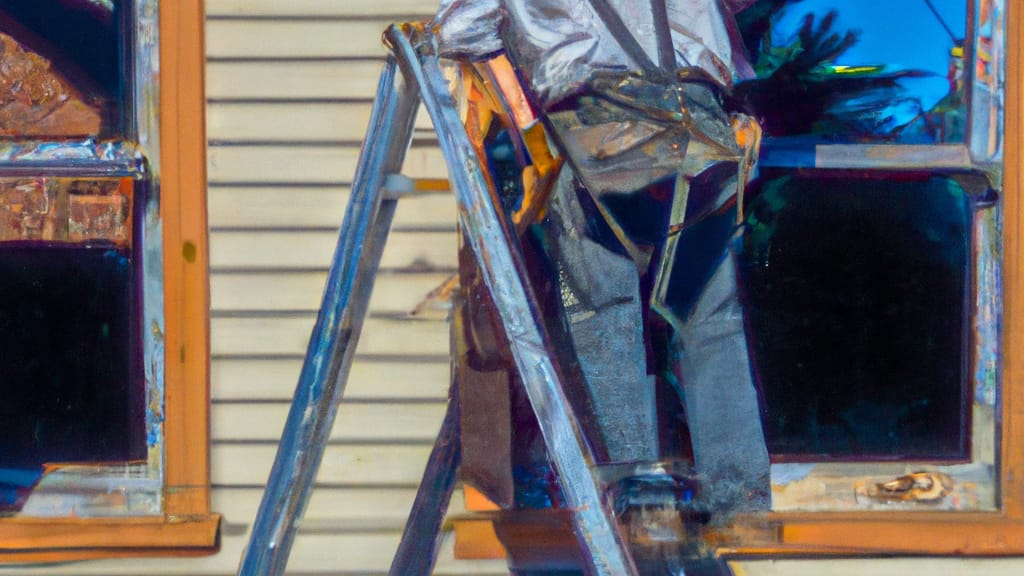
{"x":413,"y":74}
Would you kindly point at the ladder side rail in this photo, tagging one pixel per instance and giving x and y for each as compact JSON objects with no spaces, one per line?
{"x":333,"y":340}
{"x":596,"y":529}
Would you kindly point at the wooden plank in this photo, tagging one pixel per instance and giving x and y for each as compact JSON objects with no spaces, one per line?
{"x":290,"y":335}
{"x":392,"y":293}
{"x":43,"y":539}
{"x":292,"y":80}
{"x":238,"y":505}
{"x":308,"y":164}
{"x":295,"y":38}
{"x":298,"y":207}
{"x":356,"y":422}
{"x":275,"y":379}
{"x":304,"y":250}
{"x":320,"y":7}
{"x":294,"y":121}
{"x":350,"y":553}
{"x":1012,"y":322}
{"x":287,"y":121}
{"x":909,"y":533}
{"x":183,"y":179}
{"x":356,"y":464}
{"x":881,"y":567}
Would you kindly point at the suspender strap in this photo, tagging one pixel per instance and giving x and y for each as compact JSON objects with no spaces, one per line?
{"x":663,"y":36}
{"x":627,"y":41}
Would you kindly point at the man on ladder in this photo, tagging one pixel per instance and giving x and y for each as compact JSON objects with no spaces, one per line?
{"x":633,"y":95}
{"x":655,"y":126}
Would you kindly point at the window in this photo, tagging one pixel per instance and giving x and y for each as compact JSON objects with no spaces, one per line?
{"x":103,"y":253}
{"x":870,"y":261}
{"x":879,"y":272}
{"x":915,"y":344}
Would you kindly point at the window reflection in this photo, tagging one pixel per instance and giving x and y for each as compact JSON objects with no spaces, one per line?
{"x":61,"y":69}
{"x":855,"y":72}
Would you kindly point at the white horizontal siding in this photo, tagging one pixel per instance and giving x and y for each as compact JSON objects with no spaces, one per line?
{"x":375,"y":504}
{"x":276,"y":250}
{"x":357,"y":422}
{"x":294,"y":121}
{"x":300,"y":291}
{"x":327,"y":164}
{"x":342,"y":553}
{"x":317,"y":207}
{"x":313,"y":80}
{"x":287,"y":121}
{"x":263,"y":379}
{"x":248,"y":464}
{"x":290,"y":87}
{"x":295,"y":38}
{"x":288,"y":335}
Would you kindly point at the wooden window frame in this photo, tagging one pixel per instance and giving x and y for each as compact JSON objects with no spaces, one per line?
{"x":186,"y":526}
{"x":997,"y":533}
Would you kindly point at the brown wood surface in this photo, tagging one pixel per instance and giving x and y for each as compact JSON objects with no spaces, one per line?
{"x":186,"y":284}
{"x":49,"y":538}
{"x":1013,"y":275}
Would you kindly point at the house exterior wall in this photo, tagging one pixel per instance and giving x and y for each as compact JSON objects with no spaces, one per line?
{"x":289,"y":86}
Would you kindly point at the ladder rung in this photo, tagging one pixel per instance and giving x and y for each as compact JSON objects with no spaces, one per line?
{"x":397,"y":186}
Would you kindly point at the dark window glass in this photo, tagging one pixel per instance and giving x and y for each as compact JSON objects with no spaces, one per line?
{"x":65,"y":357}
{"x":856,"y":293}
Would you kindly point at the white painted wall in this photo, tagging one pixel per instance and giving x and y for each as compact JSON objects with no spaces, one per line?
{"x":289,"y":84}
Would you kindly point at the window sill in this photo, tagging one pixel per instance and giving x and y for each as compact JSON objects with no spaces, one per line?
{"x":67,"y":539}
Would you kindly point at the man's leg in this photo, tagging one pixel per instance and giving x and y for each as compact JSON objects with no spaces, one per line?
{"x":720,"y":397}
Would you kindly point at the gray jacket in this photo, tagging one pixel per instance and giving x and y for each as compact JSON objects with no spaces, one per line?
{"x":560,"y":44}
